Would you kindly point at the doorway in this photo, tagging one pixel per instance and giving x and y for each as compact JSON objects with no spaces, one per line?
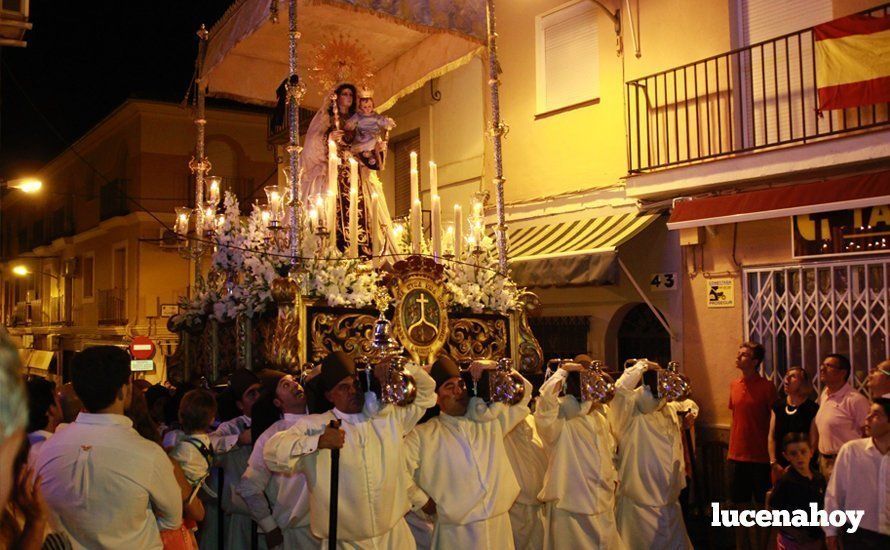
{"x":640,"y":334}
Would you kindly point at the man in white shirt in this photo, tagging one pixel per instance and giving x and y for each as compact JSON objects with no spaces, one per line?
{"x":373,"y":484}
{"x":458,"y":459}
{"x":108,"y":487}
{"x":278,"y":502}
{"x":44,"y":415}
{"x":651,"y":466}
{"x":842,"y":410}
{"x":879,"y":380}
{"x":581,"y":479}
{"x":861,"y":481}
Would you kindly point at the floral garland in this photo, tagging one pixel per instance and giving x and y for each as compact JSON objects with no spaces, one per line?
{"x":245,"y":263}
{"x":475,"y":283}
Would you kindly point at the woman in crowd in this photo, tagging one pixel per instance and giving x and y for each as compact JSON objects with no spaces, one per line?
{"x":795,"y":412}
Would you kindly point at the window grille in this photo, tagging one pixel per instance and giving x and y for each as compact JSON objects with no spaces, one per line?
{"x":802,"y":313}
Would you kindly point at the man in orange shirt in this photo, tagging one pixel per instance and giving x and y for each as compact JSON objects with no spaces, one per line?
{"x":750,"y":400}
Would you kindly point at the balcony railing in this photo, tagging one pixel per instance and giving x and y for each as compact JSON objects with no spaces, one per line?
{"x":112,"y":308}
{"x":752,"y":98}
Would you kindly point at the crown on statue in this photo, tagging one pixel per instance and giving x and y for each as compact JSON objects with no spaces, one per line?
{"x":365,"y":93}
{"x":341,"y":59}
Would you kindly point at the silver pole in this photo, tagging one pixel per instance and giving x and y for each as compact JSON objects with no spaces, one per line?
{"x":295,"y":179}
{"x":498,"y":129}
{"x":200,"y":166}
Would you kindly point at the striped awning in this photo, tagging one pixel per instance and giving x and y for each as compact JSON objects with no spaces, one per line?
{"x":578,"y":251}
{"x":572,"y":238}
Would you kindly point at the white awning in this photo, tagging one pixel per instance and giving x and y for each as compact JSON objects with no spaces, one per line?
{"x":572,"y":252}
{"x":409,"y":41}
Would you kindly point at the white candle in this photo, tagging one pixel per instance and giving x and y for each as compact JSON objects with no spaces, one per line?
{"x":435,"y":211}
{"x":436,"y":231}
{"x":448,"y":239}
{"x":313,"y":218}
{"x":458,"y":231}
{"x":416,"y":227}
{"x":333,"y":169}
{"x":353,"y":208}
{"x":320,"y":207}
{"x":415,"y":185}
{"x":213,"y":184}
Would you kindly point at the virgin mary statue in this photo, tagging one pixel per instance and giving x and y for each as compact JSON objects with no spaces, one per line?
{"x":332,"y":123}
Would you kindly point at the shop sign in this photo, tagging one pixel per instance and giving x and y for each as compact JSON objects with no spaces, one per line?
{"x":142,"y":365}
{"x":721,"y":292}
{"x":841,"y":232}
{"x":169,"y":310}
{"x":663,"y":281}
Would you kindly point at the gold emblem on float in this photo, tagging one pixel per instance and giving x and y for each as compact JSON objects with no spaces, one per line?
{"x":421,"y":314}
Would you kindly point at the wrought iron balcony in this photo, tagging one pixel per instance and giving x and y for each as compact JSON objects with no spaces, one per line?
{"x":112,"y":306}
{"x":749,"y":99}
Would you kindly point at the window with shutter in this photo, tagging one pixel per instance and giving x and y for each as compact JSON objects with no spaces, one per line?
{"x":402,"y":165}
{"x":566,"y":57}
{"x":779,"y":82}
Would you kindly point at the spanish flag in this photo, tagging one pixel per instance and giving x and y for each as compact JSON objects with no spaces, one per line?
{"x":853,"y":61}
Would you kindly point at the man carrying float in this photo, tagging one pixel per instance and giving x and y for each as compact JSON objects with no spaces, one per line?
{"x":458,"y":458}
{"x":372,"y":482}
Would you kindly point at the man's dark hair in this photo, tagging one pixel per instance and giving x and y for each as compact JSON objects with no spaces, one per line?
{"x":884,"y":402}
{"x":842,"y":359}
{"x":757,"y":351}
{"x":794,"y":437}
{"x":196,"y":410}
{"x":98,"y":373}
{"x":41,"y":396}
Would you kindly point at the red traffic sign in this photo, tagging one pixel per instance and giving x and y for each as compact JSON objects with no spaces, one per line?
{"x":142,"y":348}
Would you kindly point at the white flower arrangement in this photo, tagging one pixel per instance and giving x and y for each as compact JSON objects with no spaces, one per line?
{"x":475,"y":283}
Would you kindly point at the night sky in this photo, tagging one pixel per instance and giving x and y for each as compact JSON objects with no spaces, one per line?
{"x":83,"y":60}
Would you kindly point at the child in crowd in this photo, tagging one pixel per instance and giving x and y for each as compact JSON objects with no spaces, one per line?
{"x":192,"y":449}
{"x":795,"y":490}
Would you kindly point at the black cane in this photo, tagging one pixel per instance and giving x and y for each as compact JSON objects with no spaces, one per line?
{"x":335,"y":487}
{"x":687,"y":435}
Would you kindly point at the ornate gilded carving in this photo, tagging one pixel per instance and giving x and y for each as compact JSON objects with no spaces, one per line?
{"x":477,"y":338}
{"x":350,"y":332}
{"x":531,"y":357}
{"x":281,"y":339}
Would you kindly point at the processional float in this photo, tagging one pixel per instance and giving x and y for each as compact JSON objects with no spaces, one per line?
{"x":322,"y":266}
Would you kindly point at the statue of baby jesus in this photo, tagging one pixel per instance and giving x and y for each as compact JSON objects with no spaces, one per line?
{"x":371,"y":131}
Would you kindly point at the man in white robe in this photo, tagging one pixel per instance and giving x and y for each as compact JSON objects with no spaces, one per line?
{"x":651,"y":466}
{"x":579,"y":487}
{"x":458,"y":459}
{"x":525,"y":451}
{"x":373,"y":485}
{"x":279,"y":502}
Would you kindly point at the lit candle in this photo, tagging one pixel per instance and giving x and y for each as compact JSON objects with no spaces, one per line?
{"x":320,"y":210}
{"x":448,"y":239}
{"x":209,"y":219}
{"x":435,"y":211}
{"x":458,"y":230}
{"x":183,"y":213}
{"x":273,"y":197}
{"x":353,"y":208}
{"x":213,"y":185}
{"x":313,"y":218}
{"x":416,"y":227}
{"x":266,"y":216}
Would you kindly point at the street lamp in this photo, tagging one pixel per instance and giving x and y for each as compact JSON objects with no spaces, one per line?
{"x":25,"y":185}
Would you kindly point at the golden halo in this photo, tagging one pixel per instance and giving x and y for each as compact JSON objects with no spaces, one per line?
{"x":340,"y":59}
